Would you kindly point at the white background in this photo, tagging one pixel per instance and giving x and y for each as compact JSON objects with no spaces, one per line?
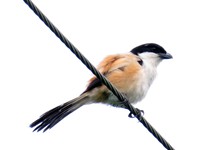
{"x":37,"y":73}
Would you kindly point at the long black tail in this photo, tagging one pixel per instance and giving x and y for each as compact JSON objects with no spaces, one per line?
{"x":55,"y":115}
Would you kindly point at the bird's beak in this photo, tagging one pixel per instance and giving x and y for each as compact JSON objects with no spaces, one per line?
{"x":165,"y":56}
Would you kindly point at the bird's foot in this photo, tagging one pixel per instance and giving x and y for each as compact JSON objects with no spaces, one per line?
{"x":139,"y":114}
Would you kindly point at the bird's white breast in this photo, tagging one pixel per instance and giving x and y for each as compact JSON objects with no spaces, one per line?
{"x":145,"y":78}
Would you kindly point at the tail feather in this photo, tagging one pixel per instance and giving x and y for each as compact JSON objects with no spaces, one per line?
{"x":55,"y":115}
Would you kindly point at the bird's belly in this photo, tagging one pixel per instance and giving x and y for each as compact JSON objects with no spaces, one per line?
{"x":133,"y":96}
{"x":139,"y":90}
{"x":135,"y":93}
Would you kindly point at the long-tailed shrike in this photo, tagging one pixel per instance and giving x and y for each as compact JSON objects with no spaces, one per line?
{"x":131,"y":73}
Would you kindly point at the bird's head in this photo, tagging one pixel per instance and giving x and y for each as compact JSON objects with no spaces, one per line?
{"x":151,"y":52}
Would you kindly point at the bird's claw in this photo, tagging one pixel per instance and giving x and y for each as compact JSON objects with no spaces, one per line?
{"x":138,"y":115}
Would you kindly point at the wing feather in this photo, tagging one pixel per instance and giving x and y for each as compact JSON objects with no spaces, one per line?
{"x":118,"y":69}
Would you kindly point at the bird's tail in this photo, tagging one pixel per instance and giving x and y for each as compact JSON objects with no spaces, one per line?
{"x":53,"y":116}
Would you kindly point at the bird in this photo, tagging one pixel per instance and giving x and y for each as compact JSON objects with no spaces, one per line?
{"x":132,"y":73}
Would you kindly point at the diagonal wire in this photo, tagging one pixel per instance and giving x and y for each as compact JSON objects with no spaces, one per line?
{"x":84,"y":60}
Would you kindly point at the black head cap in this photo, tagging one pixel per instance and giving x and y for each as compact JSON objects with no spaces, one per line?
{"x":151,"y":47}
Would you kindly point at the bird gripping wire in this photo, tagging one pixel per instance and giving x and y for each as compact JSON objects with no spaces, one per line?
{"x":84,"y":60}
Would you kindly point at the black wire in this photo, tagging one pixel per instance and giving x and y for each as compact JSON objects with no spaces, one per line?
{"x":136,"y":112}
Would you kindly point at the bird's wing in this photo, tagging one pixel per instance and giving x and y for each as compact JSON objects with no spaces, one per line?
{"x":117,"y":68}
